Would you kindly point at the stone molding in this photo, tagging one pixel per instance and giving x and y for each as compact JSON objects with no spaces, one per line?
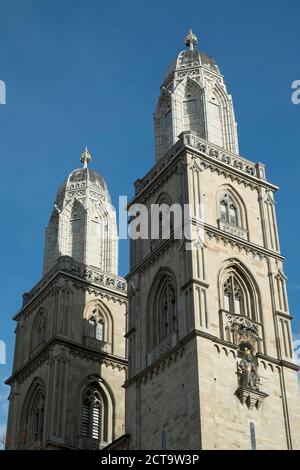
{"x":74,"y":349}
{"x":88,"y":273}
{"x":219,"y":343}
{"x":212,"y":233}
{"x":114,"y":287}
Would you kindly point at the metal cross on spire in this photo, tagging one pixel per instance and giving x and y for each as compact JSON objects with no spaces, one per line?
{"x":191,"y":40}
{"x":85,"y":157}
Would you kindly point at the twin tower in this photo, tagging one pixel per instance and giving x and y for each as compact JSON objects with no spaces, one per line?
{"x":194,"y":349}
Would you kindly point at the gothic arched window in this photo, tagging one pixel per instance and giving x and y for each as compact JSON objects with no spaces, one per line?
{"x":92,"y":413}
{"x":229,"y":211}
{"x":96,"y":326}
{"x":162,"y":310}
{"x":234,"y":300}
{"x":38,"y":418}
{"x":162,"y":220}
{"x":38,"y":330}
{"x":33,"y":417}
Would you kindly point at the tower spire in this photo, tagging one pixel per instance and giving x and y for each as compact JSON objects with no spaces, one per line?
{"x":85,"y":157}
{"x":191,"y":40}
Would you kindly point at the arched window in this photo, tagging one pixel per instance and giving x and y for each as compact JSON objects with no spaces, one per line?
{"x":38,"y":419}
{"x":39,"y":330}
{"x":162,"y":310}
{"x":163,"y":217}
{"x":92,"y":413}
{"x":96,"y":326}
{"x":239,"y":293}
{"x":234,"y":301}
{"x":229,"y":211}
{"x":240,"y":302}
{"x":75,"y":241}
{"x":33,"y":417}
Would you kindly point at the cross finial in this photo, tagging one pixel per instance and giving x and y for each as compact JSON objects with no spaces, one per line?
{"x":191,"y":40}
{"x":85,"y":157}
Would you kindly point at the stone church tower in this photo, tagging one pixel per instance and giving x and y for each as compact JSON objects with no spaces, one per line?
{"x":211,"y":361}
{"x":69,"y":362}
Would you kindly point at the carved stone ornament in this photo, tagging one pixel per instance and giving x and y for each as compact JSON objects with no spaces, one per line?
{"x":253,"y":399}
{"x":249,"y":379}
{"x":243,"y":329}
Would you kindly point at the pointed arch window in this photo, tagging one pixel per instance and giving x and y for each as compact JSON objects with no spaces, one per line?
{"x":234,"y":299}
{"x":38,"y":420}
{"x":39,"y":330}
{"x":162,"y":220}
{"x":92,"y":413}
{"x":168,"y":118}
{"x":96,"y":326}
{"x":32,"y":433}
{"x":162,"y":312}
{"x":229,"y":211}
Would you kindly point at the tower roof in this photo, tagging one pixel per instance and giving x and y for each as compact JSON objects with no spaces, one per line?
{"x":83,"y":177}
{"x":191,"y":57}
{"x":83,"y":221}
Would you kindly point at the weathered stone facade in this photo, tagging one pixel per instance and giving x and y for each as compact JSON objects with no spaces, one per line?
{"x":69,"y":362}
{"x":221,"y":375}
{"x":210,"y":353}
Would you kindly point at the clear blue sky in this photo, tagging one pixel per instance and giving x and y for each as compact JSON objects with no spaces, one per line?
{"x":87,"y":72}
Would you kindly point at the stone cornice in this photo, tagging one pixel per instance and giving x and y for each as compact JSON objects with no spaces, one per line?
{"x":81,"y":271}
{"x":211,"y":232}
{"x":179,"y":346}
{"x":198,"y":282}
{"x":214,"y":232}
{"x":152,"y":257}
{"x":286,"y":315}
{"x":85,"y":275}
{"x":80,"y":350}
{"x":204,"y":334}
{"x":279,"y":362}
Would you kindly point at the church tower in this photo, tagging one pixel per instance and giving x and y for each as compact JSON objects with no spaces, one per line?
{"x":211,"y":362}
{"x":69,"y":362}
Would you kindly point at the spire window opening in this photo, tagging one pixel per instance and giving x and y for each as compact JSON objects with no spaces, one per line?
{"x":190,"y":106}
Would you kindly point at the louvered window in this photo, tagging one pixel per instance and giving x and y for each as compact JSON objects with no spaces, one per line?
{"x":91,"y":414}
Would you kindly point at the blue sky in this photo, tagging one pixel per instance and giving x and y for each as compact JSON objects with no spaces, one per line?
{"x":87,"y":72}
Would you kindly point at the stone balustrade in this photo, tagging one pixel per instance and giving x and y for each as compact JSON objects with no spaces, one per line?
{"x":82,"y":271}
{"x":212,"y":151}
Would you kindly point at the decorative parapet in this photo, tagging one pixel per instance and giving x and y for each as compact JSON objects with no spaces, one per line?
{"x":233,"y":229}
{"x":212,"y":151}
{"x":162,"y":348}
{"x":88,"y":273}
{"x":217,"y":153}
{"x":97,"y":344}
{"x":238,"y":328}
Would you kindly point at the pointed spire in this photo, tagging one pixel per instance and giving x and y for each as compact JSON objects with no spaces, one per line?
{"x":191,"y":40}
{"x":85,"y":157}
